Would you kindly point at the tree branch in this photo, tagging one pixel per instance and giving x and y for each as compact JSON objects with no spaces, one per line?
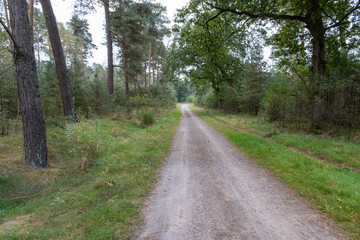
{"x":10,"y":34}
{"x":253,"y":15}
{"x":340,"y":22}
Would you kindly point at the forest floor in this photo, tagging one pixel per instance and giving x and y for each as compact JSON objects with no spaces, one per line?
{"x":208,"y":189}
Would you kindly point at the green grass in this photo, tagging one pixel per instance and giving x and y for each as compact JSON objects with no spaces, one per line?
{"x":102,"y":202}
{"x":336,"y":150}
{"x":332,"y":190}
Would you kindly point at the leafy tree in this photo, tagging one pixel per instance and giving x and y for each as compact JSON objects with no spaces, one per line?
{"x":210,"y":54}
{"x":182,"y":90}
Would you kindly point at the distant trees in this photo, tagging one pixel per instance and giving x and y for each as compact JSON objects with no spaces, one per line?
{"x":315,"y":48}
{"x":134,"y":25}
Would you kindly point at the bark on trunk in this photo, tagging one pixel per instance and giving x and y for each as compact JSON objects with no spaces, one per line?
{"x":145,"y":79}
{"x":110,"y":71}
{"x":34,"y":131}
{"x":158,"y":73}
{"x":315,"y":25}
{"x":6,"y":13}
{"x":153,"y":67}
{"x":126,"y":75}
{"x":149,"y":66}
{"x":60,"y":63}
{"x":38,"y":49}
{"x":31,"y":14}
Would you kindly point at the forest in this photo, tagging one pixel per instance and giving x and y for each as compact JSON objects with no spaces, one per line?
{"x":77,"y":136}
{"x":311,"y":81}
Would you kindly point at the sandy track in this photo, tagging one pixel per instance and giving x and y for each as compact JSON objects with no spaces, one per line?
{"x":210,"y":190}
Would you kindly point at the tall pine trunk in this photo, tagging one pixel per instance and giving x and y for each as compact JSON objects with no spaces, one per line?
{"x":149,"y":82}
{"x":153,"y":67}
{"x":31,"y":13}
{"x":34,"y":131}
{"x":60,"y":63}
{"x":110,"y":70}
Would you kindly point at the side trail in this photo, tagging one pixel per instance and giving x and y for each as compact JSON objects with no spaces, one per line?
{"x":208,"y":189}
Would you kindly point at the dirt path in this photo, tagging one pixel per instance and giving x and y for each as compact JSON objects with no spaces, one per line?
{"x":210,"y":190}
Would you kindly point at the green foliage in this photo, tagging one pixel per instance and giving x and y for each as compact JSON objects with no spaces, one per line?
{"x":135,"y":25}
{"x":86,"y":139}
{"x":229,"y":99}
{"x":101,"y":203}
{"x":315,"y":80}
{"x":162,"y":96}
{"x":147,"y":117}
{"x":182,"y":91}
{"x":49,"y":90}
{"x":209,"y":100}
{"x":139,"y":101}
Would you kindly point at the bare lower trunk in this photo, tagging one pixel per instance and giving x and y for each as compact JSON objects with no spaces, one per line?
{"x":38,"y":49}
{"x":145,"y":82}
{"x":126,"y":74}
{"x":153,"y":67}
{"x":110,"y":70}
{"x":315,"y":25}
{"x":60,"y":63}
{"x":31,"y":13}
{"x":34,"y":131}
{"x":149,"y":65}
{"x":158,"y":72}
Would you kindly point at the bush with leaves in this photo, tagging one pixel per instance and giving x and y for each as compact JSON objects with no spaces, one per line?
{"x":147,"y":117}
{"x":85,"y":139}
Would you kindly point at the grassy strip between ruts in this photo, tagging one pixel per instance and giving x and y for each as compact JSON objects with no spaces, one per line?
{"x":333,"y":190}
{"x":104,"y":201}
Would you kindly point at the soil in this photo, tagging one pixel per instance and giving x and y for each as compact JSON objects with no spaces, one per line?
{"x":208,"y":189}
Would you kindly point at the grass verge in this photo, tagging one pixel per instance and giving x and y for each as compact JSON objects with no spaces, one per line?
{"x":333,"y":190}
{"x":336,"y":150}
{"x":100,"y":202}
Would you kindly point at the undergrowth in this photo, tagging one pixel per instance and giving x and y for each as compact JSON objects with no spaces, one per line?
{"x":97,"y":201}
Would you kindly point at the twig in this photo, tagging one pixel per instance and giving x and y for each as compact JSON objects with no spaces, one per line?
{"x":25,"y":197}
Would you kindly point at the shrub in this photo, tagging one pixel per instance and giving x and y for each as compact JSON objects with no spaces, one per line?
{"x":147,"y":117}
{"x":85,"y":139}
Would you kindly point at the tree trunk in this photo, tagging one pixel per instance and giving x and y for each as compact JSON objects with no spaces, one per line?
{"x":137,"y":81}
{"x":34,"y":131}
{"x":126,"y":75}
{"x":145,"y":76}
{"x":110,"y":70}
{"x":38,"y":49}
{"x":153,"y":67}
{"x":158,"y":72}
{"x":60,"y":63}
{"x":317,"y":30}
{"x":6,"y":13}
{"x":31,"y":14}
{"x":149,"y":66}
{"x":315,"y":25}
